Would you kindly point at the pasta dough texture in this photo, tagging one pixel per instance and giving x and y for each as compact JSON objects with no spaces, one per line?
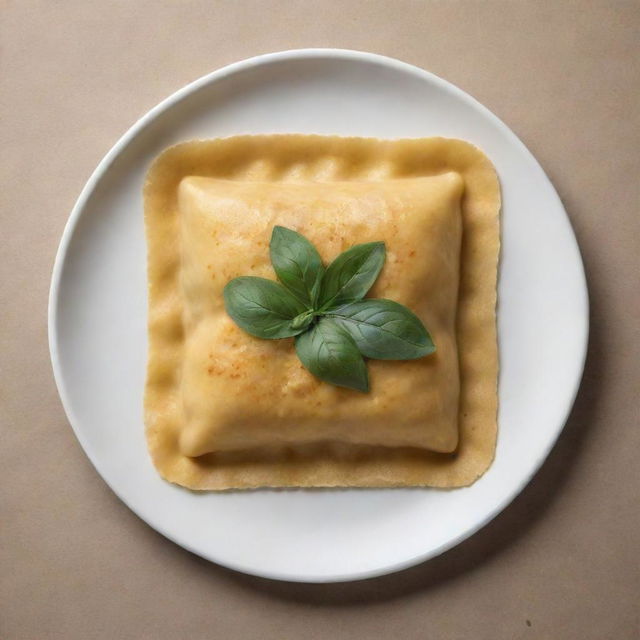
{"x":225,"y":410}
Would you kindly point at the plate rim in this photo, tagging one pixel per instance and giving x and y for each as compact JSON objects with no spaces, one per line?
{"x":173,"y":99}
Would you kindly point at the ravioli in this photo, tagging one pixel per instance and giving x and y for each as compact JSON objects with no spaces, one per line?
{"x":226,"y":410}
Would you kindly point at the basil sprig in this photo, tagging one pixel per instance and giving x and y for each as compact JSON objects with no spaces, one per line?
{"x":325,"y":309}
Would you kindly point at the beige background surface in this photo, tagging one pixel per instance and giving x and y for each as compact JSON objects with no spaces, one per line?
{"x":561,"y":562}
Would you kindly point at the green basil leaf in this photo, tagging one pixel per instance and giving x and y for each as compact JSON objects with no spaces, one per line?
{"x":330,"y":354}
{"x":351,"y":275}
{"x":263,"y":308}
{"x":384,"y":329}
{"x":297,"y":264}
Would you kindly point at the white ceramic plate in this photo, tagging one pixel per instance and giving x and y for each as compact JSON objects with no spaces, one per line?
{"x":97,"y":320}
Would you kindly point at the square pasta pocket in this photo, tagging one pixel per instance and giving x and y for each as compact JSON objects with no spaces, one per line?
{"x":225,"y":409}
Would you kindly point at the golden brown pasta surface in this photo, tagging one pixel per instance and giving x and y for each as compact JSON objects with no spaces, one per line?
{"x":226,"y":410}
